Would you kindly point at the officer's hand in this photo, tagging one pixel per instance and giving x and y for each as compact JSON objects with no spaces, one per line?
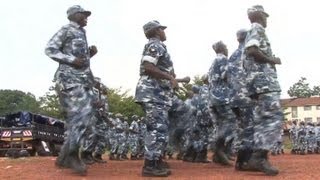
{"x":174,"y":83}
{"x":276,"y":60}
{"x":93,"y":50}
{"x":78,"y":62}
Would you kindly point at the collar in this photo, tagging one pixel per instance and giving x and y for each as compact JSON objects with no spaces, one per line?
{"x":220,"y":55}
{"x":74,"y":24}
{"x":257,"y":25}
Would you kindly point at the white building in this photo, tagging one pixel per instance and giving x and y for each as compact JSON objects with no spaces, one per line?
{"x":302,"y":109}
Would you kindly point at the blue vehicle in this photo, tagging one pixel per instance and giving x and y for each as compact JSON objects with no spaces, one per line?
{"x":34,"y":133}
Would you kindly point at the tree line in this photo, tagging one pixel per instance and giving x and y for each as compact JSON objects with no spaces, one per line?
{"x":119,"y":101}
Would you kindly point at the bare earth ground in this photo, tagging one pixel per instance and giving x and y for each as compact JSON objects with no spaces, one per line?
{"x":39,"y":168}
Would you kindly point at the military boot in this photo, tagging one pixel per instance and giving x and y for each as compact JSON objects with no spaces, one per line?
{"x":259,"y":162}
{"x":133,"y":157}
{"x":189,"y":156}
{"x":242,"y":159}
{"x":202,"y":156}
{"x":119,"y":157}
{"x":112,"y":157}
{"x":76,"y":164}
{"x":151,"y":168}
{"x":87,"y":157}
{"x":220,"y":156}
{"x":164,"y":164}
{"x":98,"y":158}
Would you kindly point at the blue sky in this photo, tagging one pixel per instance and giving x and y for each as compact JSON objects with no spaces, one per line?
{"x":115,"y":27}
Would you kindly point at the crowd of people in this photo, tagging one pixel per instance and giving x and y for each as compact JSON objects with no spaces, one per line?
{"x":236,"y":113}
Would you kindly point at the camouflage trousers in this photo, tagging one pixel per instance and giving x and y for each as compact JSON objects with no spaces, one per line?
{"x":157,"y":122}
{"x":113,"y":142}
{"x":244,"y":131}
{"x":122,"y":143}
{"x":101,"y":137}
{"x":134,"y":143}
{"x":225,"y":121}
{"x":268,"y":119}
{"x":76,"y":104}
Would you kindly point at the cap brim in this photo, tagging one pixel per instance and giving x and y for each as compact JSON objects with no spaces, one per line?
{"x":87,"y":13}
{"x":266,"y":14}
{"x":163,"y":27}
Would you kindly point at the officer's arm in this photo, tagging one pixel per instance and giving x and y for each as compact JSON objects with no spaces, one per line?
{"x":261,"y":57}
{"x":155,"y":72}
{"x":55,"y":45}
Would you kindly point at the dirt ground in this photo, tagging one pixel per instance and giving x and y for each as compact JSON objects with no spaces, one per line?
{"x":39,"y":168}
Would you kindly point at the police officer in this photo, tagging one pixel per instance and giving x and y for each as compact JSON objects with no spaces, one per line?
{"x":154,"y":92}
{"x":240,"y":102}
{"x":74,"y":81}
{"x":219,"y":102}
{"x":259,"y":64}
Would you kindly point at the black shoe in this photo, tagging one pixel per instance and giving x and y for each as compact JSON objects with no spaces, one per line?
{"x":76,"y":164}
{"x":98,"y":158}
{"x":87,"y":157}
{"x":259,"y":162}
{"x":221,"y":158}
{"x":124,"y":156}
{"x":133,"y":157}
{"x":152,"y":169}
{"x":119,"y":158}
{"x":243,"y":157}
{"x":111,"y":157}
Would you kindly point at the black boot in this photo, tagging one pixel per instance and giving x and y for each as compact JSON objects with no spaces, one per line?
{"x":242,"y":159}
{"x":62,"y":161}
{"x":151,"y":168}
{"x":259,"y":162}
{"x":98,"y":158}
{"x":119,"y":157}
{"x":179,"y":156}
{"x":219,"y":153}
{"x":202,"y":156}
{"x":87,"y":157}
{"x":189,"y":156}
{"x":112,"y":157}
{"x":164,"y":164}
{"x":76,"y":164}
{"x":133,"y":157}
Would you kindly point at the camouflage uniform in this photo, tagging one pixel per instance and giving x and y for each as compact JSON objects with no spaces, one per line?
{"x":134,"y":132}
{"x":155,"y":97}
{"x":264,"y":87}
{"x":142,"y":135}
{"x":73,"y":86}
{"x":219,"y":97}
{"x":101,"y":136}
{"x":302,"y":140}
{"x":240,"y":102}
{"x":294,"y":138}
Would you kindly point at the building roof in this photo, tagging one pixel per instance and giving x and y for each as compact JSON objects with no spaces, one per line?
{"x":311,"y":101}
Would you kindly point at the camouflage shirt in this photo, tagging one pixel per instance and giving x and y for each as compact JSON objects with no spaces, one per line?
{"x":218,"y":86}
{"x":150,"y":89}
{"x":261,"y":77}
{"x":67,"y":44}
{"x":237,"y":80}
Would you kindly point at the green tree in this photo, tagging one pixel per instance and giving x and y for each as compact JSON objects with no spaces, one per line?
{"x":300,"y":89}
{"x":50,"y":106}
{"x":316,"y":91}
{"x":12,"y":101}
{"x":123,"y":103}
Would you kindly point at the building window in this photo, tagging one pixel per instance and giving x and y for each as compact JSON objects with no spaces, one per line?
{"x":318,"y":107}
{"x":307,"y":108}
{"x":294,"y":112}
{"x":318,"y":119}
{"x":308,"y":119}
